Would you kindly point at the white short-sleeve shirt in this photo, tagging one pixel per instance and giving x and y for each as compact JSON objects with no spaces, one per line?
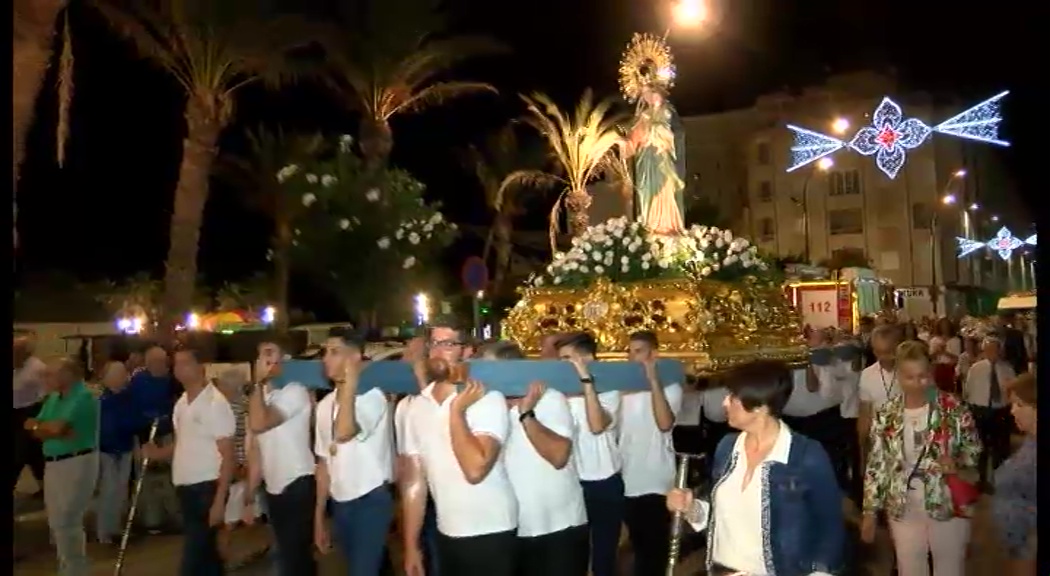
{"x":463,"y":509}
{"x":285,"y":448}
{"x":365,"y":462}
{"x":596,"y":456}
{"x":647,"y":453}
{"x":199,"y":425}
{"x":714,"y":409}
{"x":802,"y":403}
{"x":400,"y":422}
{"x":878,"y":386}
{"x":549,"y":499}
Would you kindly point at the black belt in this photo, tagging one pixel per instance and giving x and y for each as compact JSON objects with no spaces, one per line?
{"x":68,"y":456}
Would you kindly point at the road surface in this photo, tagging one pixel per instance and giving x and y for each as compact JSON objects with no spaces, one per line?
{"x":159,"y":555}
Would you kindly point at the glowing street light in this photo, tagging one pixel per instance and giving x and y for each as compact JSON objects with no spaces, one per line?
{"x":948,"y":199}
{"x":825,"y":164}
{"x":840,"y":125}
{"x":689,"y":13}
{"x":960,"y":173}
{"x":974,"y":207}
{"x":422,"y":309}
{"x":995,"y":218}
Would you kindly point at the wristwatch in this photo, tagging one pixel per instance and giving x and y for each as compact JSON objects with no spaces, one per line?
{"x":526,"y":414}
{"x":587,"y":379}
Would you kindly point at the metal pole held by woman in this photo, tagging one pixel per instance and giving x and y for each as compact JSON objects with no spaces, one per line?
{"x":681,"y":481}
{"x":118,"y":569}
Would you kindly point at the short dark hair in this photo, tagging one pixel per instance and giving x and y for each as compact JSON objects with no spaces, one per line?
{"x":501,"y":350}
{"x":273,"y":337}
{"x":582,"y":342}
{"x":193,"y":351}
{"x":445,"y":321}
{"x":761,"y":383}
{"x":646,"y":336}
{"x":347,"y":336}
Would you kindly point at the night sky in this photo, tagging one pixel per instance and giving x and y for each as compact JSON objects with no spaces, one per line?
{"x":107,"y":212}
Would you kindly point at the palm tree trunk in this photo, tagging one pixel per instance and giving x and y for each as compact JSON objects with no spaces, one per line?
{"x":282,"y":268}
{"x":203,"y":125}
{"x":377,"y":141}
{"x":504,"y":227}
{"x":34,"y":31}
{"x":579,"y":204}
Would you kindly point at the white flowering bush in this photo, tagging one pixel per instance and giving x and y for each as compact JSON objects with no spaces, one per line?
{"x":359,"y":227}
{"x":625,"y":251}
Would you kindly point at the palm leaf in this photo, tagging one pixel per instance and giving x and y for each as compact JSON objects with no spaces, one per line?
{"x":65,"y":91}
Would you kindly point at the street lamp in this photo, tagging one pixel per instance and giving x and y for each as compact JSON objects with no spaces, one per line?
{"x":822,"y":165}
{"x":840,"y":125}
{"x":947,"y":199}
{"x":689,"y":13}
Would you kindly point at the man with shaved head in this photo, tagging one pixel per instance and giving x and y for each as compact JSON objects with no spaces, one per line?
{"x":68,"y":427}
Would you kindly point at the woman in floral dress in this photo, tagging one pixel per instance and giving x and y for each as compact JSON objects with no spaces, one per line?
{"x":1014,"y":502}
{"x":918,"y":439}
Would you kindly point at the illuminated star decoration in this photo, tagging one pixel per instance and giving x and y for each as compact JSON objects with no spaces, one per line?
{"x":1004,"y":243}
{"x":891,"y":135}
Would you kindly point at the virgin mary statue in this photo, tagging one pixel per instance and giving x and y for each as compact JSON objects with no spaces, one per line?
{"x":658,"y":143}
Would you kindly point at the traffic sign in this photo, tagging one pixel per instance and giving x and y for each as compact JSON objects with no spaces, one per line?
{"x":475,"y":274}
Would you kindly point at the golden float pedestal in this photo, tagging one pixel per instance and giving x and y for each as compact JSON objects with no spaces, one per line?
{"x":710,"y":325}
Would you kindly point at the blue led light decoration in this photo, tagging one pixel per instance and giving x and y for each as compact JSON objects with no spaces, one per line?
{"x":967,"y":246}
{"x":891,"y":135}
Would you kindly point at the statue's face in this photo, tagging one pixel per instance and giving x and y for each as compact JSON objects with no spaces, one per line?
{"x":652,"y":97}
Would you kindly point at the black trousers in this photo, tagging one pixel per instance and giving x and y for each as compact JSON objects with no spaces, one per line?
{"x":994,"y":426}
{"x":28,"y":450}
{"x":200,"y":552}
{"x":649,"y":527}
{"x":484,"y":555}
{"x":562,"y":553}
{"x":603,"y":500}
{"x":292,"y":519}
{"x":853,"y":481}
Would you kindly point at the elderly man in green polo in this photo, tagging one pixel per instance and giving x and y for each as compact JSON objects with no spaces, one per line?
{"x":68,"y":427}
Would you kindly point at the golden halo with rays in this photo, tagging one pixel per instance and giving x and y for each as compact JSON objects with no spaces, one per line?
{"x":647,"y":62}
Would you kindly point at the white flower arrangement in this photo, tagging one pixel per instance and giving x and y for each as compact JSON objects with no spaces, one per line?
{"x":623,"y":251}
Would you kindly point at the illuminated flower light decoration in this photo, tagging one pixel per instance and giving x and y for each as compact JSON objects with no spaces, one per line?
{"x":1004,"y":243}
{"x":891,"y":135}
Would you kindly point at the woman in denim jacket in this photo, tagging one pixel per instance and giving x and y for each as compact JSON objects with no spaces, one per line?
{"x":775,"y":506}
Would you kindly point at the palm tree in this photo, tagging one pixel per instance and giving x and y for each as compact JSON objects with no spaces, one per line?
{"x":212,"y":49}
{"x":501,"y":156}
{"x":272,"y":150}
{"x":585,"y":146}
{"x":393,"y":65}
{"x":35,"y":22}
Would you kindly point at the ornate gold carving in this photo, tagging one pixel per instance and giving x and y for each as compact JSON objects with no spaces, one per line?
{"x":710,"y":325}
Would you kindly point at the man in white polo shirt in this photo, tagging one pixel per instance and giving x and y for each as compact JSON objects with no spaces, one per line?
{"x":646,"y":420}
{"x":878,"y":382}
{"x":813,"y":409}
{"x":454,"y":439}
{"x":415,"y":354}
{"x":552,"y":521}
{"x":279,"y":420}
{"x":202,"y":463}
{"x":354,"y":460}
{"x":595,"y":454}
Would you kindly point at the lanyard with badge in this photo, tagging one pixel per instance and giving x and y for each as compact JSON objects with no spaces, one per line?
{"x":888,"y":388}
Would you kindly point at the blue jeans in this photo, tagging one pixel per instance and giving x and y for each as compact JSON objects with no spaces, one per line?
{"x":361,"y":529}
{"x":604,"y":502}
{"x":114,"y":472}
{"x":200,"y":551}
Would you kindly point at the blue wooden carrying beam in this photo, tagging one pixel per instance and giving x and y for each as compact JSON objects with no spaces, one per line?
{"x":511,"y":377}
